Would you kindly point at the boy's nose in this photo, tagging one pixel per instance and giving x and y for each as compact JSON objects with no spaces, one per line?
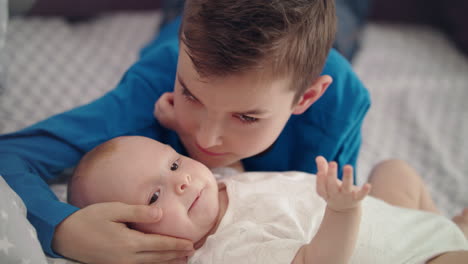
{"x":209,"y":134}
{"x":183,"y":182}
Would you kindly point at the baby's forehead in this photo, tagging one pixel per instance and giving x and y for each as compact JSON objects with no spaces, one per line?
{"x":136,"y":146}
{"x":167,"y":149}
{"x":138,"y":154}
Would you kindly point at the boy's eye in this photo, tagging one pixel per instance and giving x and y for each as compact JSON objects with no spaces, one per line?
{"x":187,"y":95}
{"x":154,"y":197}
{"x":175,"y":165}
{"x":247,"y":119}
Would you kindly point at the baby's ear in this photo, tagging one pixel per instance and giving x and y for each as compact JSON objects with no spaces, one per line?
{"x":312,"y":94}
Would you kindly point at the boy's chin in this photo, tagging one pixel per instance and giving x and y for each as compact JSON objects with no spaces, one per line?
{"x":215,"y":162}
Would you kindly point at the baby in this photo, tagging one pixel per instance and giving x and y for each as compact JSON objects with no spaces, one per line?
{"x":264,"y":217}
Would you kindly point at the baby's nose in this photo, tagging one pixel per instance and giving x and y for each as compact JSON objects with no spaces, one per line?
{"x":184,"y":183}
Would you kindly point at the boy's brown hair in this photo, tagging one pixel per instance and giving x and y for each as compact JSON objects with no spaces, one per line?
{"x":280,"y":38}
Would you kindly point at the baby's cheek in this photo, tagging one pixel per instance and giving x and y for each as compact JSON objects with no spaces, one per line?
{"x":155,"y":227}
{"x":170,"y":225}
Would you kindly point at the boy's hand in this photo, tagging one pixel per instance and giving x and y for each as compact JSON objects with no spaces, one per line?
{"x":98,"y":234}
{"x":340,"y":196}
{"x":164,"y":111}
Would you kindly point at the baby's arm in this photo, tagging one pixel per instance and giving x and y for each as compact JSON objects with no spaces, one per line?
{"x":336,"y":237}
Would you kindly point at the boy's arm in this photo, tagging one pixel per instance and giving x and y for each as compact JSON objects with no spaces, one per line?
{"x":340,"y":225}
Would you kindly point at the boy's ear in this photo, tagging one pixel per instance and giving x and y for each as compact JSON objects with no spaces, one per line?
{"x":312,"y":94}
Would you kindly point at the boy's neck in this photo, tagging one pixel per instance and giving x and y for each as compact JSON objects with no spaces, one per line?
{"x":223,"y":204}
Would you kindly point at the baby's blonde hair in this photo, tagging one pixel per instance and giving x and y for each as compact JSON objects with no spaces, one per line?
{"x":86,"y":167}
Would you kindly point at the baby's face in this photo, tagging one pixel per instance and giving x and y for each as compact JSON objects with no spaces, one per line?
{"x":148,"y":172}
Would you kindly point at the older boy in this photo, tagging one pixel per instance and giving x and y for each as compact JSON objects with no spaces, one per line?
{"x":228,"y":88}
{"x":264,"y":217}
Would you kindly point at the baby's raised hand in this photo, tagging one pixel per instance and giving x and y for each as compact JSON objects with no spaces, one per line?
{"x":339,"y":195}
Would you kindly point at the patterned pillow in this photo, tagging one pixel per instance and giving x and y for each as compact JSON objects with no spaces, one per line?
{"x":18,"y":238}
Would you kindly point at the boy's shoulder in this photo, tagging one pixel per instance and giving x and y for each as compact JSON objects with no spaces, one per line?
{"x":336,"y":61}
{"x":346,"y":99}
{"x":345,"y":80}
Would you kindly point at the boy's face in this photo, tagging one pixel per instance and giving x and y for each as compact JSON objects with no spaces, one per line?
{"x":148,"y":172}
{"x":224,"y":120}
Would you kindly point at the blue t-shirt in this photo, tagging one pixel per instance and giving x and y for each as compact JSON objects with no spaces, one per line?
{"x":31,"y":157}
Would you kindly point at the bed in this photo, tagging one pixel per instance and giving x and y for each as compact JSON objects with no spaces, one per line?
{"x":417,"y":79}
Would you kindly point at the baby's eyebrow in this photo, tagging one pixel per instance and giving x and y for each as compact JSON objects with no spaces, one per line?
{"x":169,"y":149}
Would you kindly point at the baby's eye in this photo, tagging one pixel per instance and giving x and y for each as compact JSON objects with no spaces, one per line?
{"x":175,"y":165}
{"x":154,"y":197}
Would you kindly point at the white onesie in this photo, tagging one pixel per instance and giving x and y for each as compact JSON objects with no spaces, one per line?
{"x":271,"y":215}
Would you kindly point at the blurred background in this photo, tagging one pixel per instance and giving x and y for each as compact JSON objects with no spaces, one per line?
{"x":410,"y":54}
{"x":448,"y":16}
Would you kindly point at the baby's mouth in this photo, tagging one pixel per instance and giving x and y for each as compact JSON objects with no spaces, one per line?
{"x":195,"y":201}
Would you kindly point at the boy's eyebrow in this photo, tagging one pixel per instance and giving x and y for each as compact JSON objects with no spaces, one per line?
{"x":249,"y":112}
{"x":254,"y":112}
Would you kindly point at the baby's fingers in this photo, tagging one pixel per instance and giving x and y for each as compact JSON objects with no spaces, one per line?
{"x":322,"y":170}
{"x":347,"y":185}
{"x":332,"y":180}
{"x":322,"y":165}
{"x":363,"y":192}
